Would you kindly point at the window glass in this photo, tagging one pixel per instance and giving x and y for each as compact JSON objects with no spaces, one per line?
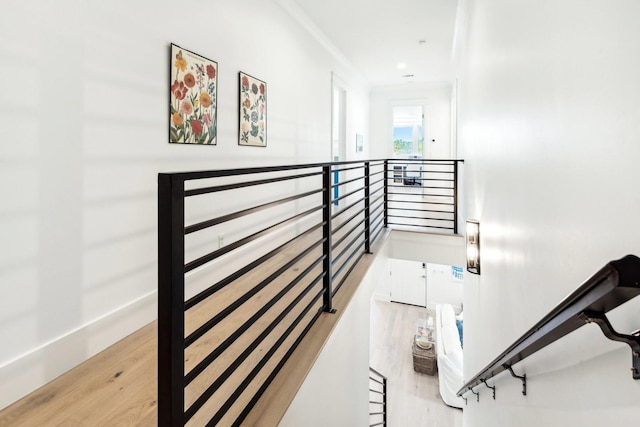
{"x":408,"y":134}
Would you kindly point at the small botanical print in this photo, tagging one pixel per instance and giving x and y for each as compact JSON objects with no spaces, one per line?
{"x":194,"y":93}
{"x":253,"y":111}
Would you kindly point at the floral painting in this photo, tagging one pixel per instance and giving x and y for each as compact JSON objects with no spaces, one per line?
{"x":253,"y":111}
{"x":194,"y":95}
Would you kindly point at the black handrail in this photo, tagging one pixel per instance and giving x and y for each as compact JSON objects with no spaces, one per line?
{"x":616,"y":283}
{"x":309,"y":240}
{"x":378,"y":398}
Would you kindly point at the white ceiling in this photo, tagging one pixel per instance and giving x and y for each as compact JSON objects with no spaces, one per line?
{"x":376,"y":35}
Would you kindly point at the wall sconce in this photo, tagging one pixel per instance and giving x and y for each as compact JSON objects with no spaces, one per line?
{"x":473,"y":246}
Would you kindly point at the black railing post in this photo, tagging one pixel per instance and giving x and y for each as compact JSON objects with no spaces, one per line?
{"x":170,"y":301}
{"x":455,"y":197}
{"x":326,"y":234}
{"x":384,"y":400}
{"x":367,"y":208}
{"x":386,"y":193}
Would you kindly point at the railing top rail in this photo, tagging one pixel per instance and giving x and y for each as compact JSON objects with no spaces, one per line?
{"x":616,"y":283}
{"x":251,"y":170}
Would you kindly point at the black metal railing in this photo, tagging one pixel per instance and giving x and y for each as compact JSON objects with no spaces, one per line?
{"x":377,"y":398}
{"x":248,"y":259}
{"x":616,"y":283}
{"x":423,"y":193}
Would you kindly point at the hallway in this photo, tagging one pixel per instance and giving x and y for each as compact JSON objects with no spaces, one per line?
{"x":413,"y":398}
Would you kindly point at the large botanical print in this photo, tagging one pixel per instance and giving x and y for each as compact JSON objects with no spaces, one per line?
{"x":194,"y":94}
{"x":253,"y":111}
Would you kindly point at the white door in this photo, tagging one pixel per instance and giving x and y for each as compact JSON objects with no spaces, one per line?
{"x":407,"y":282}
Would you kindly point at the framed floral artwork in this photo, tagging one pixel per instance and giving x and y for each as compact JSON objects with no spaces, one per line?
{"x":253,"y":111}
{"x":193,"y":99}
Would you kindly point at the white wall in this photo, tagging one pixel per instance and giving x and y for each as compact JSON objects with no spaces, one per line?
{"x":84,"y":133}
{"x":549,"y":123}
{"x":421,"y":247}
{"x":435,"y":99}
{"x":336,"y":390}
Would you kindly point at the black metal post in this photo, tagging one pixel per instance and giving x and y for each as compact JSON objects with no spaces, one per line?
{"x":367,"y":208}
{"x":386,"y":193}
{"x":170,"y":301}
{"x":326,"y":234}
{"x":455,"y":197}
{"x":384,"y":400}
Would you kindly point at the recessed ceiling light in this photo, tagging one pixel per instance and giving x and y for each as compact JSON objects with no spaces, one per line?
{"x":401,"y":66}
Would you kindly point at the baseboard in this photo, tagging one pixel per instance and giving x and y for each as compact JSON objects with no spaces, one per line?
{"x":32,"y":370}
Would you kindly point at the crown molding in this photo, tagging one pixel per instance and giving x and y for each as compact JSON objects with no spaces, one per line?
{"x":298,"y":15}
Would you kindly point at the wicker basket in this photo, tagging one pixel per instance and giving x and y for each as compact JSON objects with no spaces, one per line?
{"x":424,"y":361}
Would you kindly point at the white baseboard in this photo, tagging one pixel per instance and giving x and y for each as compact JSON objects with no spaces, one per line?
{"x":34,"y":369}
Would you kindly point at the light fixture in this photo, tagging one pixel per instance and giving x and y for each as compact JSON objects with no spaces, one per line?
{"x":473,"y":246}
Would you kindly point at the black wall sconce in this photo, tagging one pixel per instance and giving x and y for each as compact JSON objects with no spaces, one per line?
{"x":473,"y":246}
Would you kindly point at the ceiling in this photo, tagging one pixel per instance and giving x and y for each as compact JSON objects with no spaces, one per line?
{"x":377,"y":35}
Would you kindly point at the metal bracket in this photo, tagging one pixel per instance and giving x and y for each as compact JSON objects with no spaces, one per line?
{"x":492,"y":388}
{"x":477,"y":394}
{"x":521,"y":378}
{"x":632,"y":340}
{"x":465,"y":400}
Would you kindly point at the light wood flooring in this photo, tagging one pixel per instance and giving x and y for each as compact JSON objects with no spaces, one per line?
{"x":413,"y":398}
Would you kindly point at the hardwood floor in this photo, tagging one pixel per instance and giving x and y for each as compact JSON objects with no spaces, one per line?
{"x":413,"y":398}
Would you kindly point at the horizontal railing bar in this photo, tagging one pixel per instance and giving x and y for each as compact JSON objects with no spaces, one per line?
{"x":344,"y":196}
{"x":341,"y":183}
{"x":215,"y":221}
{"x":206,"y":395}
{"x":200,"y":367}
{"x":280,"y":364}
{"x":336,"y":230}
{"x":376,"y":380}
{"x":234,"y":396}
{"x":614,"y":284}
{"x":377,"y":424}
{"x":426,"y":187}
{"x":235,"y":245}
{"x":448,"y":162}
{"x":337,"y":272}
{"x":188,"y":176}
{"x":420,"y":217}
{"x":347,"y":169}
{"x":419,"y":201}
{"x":373,"y":200}
{"x":377,"y":173}
{"x":226,"y":187}
{"x":247,"y":296}
{"x":381,"y":180}
{"x":376,"y":232}
{"x":342,"y":252}
{"x":400,"y":193}
{"x":396,"y":171}
{"x":247,"y":268}
{"x":378,"y":216}
{"x":347,"y":262}
{"x":422,"y":226}
{"x":339,"y":227}
{"x":346,"y":208}
{"x":422,"y":210}
{"x":344,"y":278}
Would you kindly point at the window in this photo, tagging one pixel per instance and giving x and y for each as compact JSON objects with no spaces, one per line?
{"x":408,"y":133}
